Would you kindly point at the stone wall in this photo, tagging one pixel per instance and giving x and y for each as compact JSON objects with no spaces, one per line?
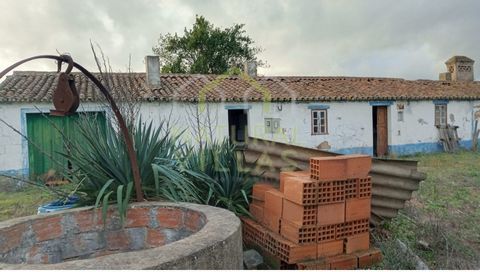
{"x":78,"y":239}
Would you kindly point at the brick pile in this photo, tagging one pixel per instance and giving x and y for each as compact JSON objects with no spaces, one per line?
{"x":317,"y":219}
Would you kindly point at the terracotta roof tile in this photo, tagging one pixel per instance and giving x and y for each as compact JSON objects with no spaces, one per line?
{"x":39,"y":87}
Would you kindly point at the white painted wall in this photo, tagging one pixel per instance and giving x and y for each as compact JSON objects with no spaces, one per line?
{"x":10,"y":142}
{"x":349,"y":124}
{"x":182,"y":118}
{"x":419,"y":122}
{"x":14,"y":149}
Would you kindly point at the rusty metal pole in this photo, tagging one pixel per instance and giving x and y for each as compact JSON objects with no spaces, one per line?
{"x":121,"y":121}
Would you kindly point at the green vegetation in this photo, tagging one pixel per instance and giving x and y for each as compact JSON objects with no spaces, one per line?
{"x":100,"y":172}
{"x":441,"y":222}
{"x":20,"y":201}
{"x":220,"y":179}
{"x":205,"y":49}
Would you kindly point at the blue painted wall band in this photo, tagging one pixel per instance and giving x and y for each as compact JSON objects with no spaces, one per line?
{"x":316,"y":106}
{"x":380,"y":103}
{"x":440,"y":102}
{"x":238,"y":107}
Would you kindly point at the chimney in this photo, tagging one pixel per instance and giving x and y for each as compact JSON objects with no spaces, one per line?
{"x":250,"y":68}
{"x":152,"y":66}
{"x":460,"y":68}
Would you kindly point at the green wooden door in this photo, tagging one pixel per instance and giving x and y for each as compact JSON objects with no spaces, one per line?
{"x":48,"y":137}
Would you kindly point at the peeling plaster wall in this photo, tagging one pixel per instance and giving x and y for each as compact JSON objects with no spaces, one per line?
{"x":417,"y":133}
{"x":349,"y":125}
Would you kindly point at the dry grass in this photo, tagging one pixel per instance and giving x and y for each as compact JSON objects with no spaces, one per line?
{"x":444,"y":213}
{"x":18,"y":201}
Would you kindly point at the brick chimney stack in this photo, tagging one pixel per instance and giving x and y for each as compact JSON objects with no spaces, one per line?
{"x":460,"y":68}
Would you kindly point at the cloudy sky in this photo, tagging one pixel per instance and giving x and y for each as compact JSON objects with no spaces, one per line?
{"x":408,"y":39}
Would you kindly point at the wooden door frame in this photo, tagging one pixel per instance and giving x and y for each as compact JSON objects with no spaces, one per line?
{"x":375,"y":115}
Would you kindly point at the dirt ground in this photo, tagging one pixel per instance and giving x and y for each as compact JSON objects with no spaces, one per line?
{"x":441,"y":224}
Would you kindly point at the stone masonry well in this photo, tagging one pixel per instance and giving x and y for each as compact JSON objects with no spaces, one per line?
{"x":155,"y":235}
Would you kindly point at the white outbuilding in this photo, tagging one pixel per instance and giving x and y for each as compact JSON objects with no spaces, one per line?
{"x":375,"y":116}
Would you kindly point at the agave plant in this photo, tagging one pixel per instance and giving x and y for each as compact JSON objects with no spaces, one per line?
{"x":218,"y":175}
{"x":102,"y":167}
{"x":169,"y":169}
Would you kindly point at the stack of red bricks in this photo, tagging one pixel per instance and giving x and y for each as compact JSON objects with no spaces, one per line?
{"x":317,"y":219}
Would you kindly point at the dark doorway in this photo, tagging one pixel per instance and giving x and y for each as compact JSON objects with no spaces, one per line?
{"x":380,"y":131}
{"x":238,"y":126}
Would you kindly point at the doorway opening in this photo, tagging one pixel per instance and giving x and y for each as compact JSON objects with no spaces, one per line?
{"x":238,"y":126}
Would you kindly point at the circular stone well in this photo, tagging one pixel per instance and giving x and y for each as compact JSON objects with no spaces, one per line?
{"x":155,"y":235}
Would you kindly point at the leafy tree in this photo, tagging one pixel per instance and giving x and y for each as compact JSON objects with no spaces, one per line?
{"x":206,"y":49}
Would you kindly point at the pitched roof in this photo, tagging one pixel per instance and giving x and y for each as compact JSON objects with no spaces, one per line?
{"x":39,"y":86}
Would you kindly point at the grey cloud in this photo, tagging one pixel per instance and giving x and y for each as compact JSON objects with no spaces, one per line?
{"x":409,"y":39}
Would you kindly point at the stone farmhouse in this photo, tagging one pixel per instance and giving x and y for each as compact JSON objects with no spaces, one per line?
{"x":375,"y":116}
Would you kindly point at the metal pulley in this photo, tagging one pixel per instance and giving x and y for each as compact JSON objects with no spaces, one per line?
{"x":65,"y":97}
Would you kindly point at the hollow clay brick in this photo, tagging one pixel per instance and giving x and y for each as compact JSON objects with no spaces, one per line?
{"x":253,"y":232}
{"x":297,"y":233}
{"x":299,"y":214}
{"x":351,"y":188}
{"x":343,"y":262}
{"x":271,"y":220}
{"x":328,"y":168}
{"x":259,"y":189}
{"x":326,"y":233}
{"x":330,"y":248}
{"x":318,"y":264}
{"x":358,"y":166}
{"x":357,"y":243}
{"x":331,"y":191}
{"x":283,"y":175}
{"x":357,"y":208}
{"x":365,"y":187}
{"x":352,"y":228}
{"x":257,"y":212}
{"x":290,"y":252}
{"x":369,"y":257}
{"x":274,"y":202}
{"x":301,"y":190}
{"x":258,"y":202}
{"x":331,"y":214}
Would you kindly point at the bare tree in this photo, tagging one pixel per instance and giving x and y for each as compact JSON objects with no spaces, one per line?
{"x":202,"y":123}
{"x":124,"y":88}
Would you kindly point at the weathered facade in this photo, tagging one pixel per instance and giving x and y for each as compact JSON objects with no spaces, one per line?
{"x":375,"y":116}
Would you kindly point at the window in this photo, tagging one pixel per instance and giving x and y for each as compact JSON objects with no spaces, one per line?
{"x":400,"y":116}
{"x":441,"y":115}
{"x":272,"y":125}
{"x":319,"y":122}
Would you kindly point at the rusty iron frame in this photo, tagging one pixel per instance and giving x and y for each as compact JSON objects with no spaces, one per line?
{"x":121,"y":121}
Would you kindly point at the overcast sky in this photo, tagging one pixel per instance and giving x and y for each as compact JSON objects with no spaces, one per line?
{"x":407,"y":39}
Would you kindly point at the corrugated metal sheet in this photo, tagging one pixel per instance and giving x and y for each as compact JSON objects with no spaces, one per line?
{"x":393,"y":180}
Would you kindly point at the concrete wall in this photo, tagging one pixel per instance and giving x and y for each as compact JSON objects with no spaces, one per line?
{"x":156,"y":235}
